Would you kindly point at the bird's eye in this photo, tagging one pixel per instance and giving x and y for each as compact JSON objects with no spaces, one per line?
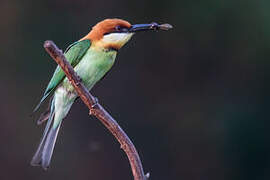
{"x":118,"y":28}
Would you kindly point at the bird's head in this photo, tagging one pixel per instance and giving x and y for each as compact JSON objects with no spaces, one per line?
{"x":115,"y":33}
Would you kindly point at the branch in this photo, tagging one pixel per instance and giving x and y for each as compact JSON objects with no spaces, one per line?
{"x":97,"y":110}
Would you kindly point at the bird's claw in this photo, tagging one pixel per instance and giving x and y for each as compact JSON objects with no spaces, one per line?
{"x":93,"y":106}
{"x":95,"y":102}
{"x":80,"y":79}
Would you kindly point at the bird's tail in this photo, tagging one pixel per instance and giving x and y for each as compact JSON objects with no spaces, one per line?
{"x":44,"y":152}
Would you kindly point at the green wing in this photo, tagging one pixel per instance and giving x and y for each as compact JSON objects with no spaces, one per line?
{"x":73,"y":54}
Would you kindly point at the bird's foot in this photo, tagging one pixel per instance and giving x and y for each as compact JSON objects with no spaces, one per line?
{"x":95,"y":102}
{"x":80,"y":79}
{"x":93,"y":106}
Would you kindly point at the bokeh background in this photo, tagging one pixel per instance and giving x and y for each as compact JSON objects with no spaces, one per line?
{"x":194,"y":100}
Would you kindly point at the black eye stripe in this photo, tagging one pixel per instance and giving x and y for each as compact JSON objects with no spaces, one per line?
{"x":117,"y":29}
{"x":121,"y":29}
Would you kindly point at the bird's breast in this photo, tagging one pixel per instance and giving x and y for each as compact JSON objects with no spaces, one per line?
{"x":94,"y":65}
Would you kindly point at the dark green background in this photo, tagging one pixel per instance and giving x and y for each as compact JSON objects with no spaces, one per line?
{"x":194,"y":100}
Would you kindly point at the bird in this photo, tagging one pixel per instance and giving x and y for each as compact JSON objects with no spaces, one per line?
{"x":91,"y":57}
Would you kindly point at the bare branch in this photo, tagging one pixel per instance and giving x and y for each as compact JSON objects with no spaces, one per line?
{"x":97,"y":110}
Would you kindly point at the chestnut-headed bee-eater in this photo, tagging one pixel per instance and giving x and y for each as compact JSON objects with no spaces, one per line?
{"x":91,"y":57}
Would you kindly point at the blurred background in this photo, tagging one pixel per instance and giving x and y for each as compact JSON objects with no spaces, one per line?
{"x":194,"y":100}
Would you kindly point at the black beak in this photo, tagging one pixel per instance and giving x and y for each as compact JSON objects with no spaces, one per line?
{"x":148,"y":27}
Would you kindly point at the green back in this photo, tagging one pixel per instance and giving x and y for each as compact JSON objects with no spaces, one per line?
{"x":73,"y":54}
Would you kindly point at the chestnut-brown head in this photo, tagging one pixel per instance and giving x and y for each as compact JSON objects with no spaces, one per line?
{"x":114,"y":33}
{"x":110,"y":33}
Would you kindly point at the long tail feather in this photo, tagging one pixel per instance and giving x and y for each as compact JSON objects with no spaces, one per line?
{"x":60,"y":105}
{"x":37,"y":158}
{"x":49,"y":146}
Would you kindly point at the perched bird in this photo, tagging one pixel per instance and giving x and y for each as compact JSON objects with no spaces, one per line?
{"x":91,"y":57}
